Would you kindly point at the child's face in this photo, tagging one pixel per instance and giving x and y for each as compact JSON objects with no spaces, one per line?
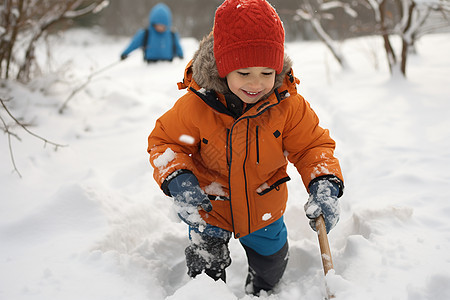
{"x":160,"y":27}
{"x":250,"y":84}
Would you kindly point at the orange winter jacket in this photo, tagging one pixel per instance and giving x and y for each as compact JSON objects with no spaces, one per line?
{"x":233,"y":156}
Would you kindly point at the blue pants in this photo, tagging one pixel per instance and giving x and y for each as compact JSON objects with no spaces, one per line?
{"x":266,"y":250}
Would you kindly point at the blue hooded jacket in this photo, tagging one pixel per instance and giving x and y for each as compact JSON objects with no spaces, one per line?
{"x":157,"y":45}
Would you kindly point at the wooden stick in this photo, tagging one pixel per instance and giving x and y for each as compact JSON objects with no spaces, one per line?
{"x":325,"y":252}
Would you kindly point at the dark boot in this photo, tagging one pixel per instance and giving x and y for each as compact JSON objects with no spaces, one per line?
{"x":210,"y":255}
{"x":265,"y":272}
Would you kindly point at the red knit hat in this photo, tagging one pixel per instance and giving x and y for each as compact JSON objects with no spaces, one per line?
{"x":247,"y":33}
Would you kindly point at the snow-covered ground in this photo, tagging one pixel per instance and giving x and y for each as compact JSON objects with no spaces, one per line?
{"x":88,"y":222}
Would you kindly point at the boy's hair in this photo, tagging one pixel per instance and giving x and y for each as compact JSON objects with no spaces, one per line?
{"x":247,"y":33}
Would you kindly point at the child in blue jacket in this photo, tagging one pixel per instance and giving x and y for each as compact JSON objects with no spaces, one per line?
{"x":157,"y":41}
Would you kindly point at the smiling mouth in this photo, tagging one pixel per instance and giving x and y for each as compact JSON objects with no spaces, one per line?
{"x":252,"y":94}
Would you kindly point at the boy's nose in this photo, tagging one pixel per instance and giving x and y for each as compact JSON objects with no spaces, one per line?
{"x":255,"y":83}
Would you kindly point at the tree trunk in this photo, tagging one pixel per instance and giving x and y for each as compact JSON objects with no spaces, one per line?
{"x":407,"y":39}
{"x":11,"y":25}
{"x":392,"y":60}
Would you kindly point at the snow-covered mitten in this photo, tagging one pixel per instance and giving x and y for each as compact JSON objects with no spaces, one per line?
{"x":323,"y":200}
{"x":188,"y":198}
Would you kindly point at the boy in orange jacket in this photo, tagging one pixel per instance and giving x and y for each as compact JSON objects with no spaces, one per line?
{"x":222,"y":151}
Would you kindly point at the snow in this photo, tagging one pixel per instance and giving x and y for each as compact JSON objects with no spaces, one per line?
{"x":89,"y":222}
{"x":166,"y":157}
{"x":215,"y":188}
{"x":184,"y":138}
{"x":266,"y":216}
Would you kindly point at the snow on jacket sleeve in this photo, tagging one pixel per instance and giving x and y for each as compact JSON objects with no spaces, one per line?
{"x":171,"y":143}
{"x":309,"y":147}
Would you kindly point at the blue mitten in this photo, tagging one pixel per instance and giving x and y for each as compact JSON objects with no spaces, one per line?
{"x":188,"y":198}
{"x":323,"y":200}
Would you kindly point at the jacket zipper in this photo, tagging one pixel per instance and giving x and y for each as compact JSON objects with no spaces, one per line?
{"x":229,"y":156}
{"x":245,"y":176}
{"x":257,"y":145}
{"x":227,"y":148}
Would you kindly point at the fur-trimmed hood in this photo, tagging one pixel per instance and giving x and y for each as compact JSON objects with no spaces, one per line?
{"x":205,"y":71}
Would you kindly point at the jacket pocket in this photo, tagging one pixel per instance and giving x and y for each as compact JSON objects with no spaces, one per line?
{"x":275,"y":185}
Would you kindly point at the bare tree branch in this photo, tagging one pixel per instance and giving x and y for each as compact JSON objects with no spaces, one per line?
{"x":83,"y":85}
{"x":10,"y":134}
{"x":27,"y":21}
{"x":46,"y":141}
{"x":408,"y":23}
{"x":316,"y":11}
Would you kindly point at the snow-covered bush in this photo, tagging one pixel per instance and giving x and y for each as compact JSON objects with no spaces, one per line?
{"x":24,"y":22}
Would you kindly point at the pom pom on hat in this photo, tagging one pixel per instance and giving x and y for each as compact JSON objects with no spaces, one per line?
{"x":247,"y":33}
